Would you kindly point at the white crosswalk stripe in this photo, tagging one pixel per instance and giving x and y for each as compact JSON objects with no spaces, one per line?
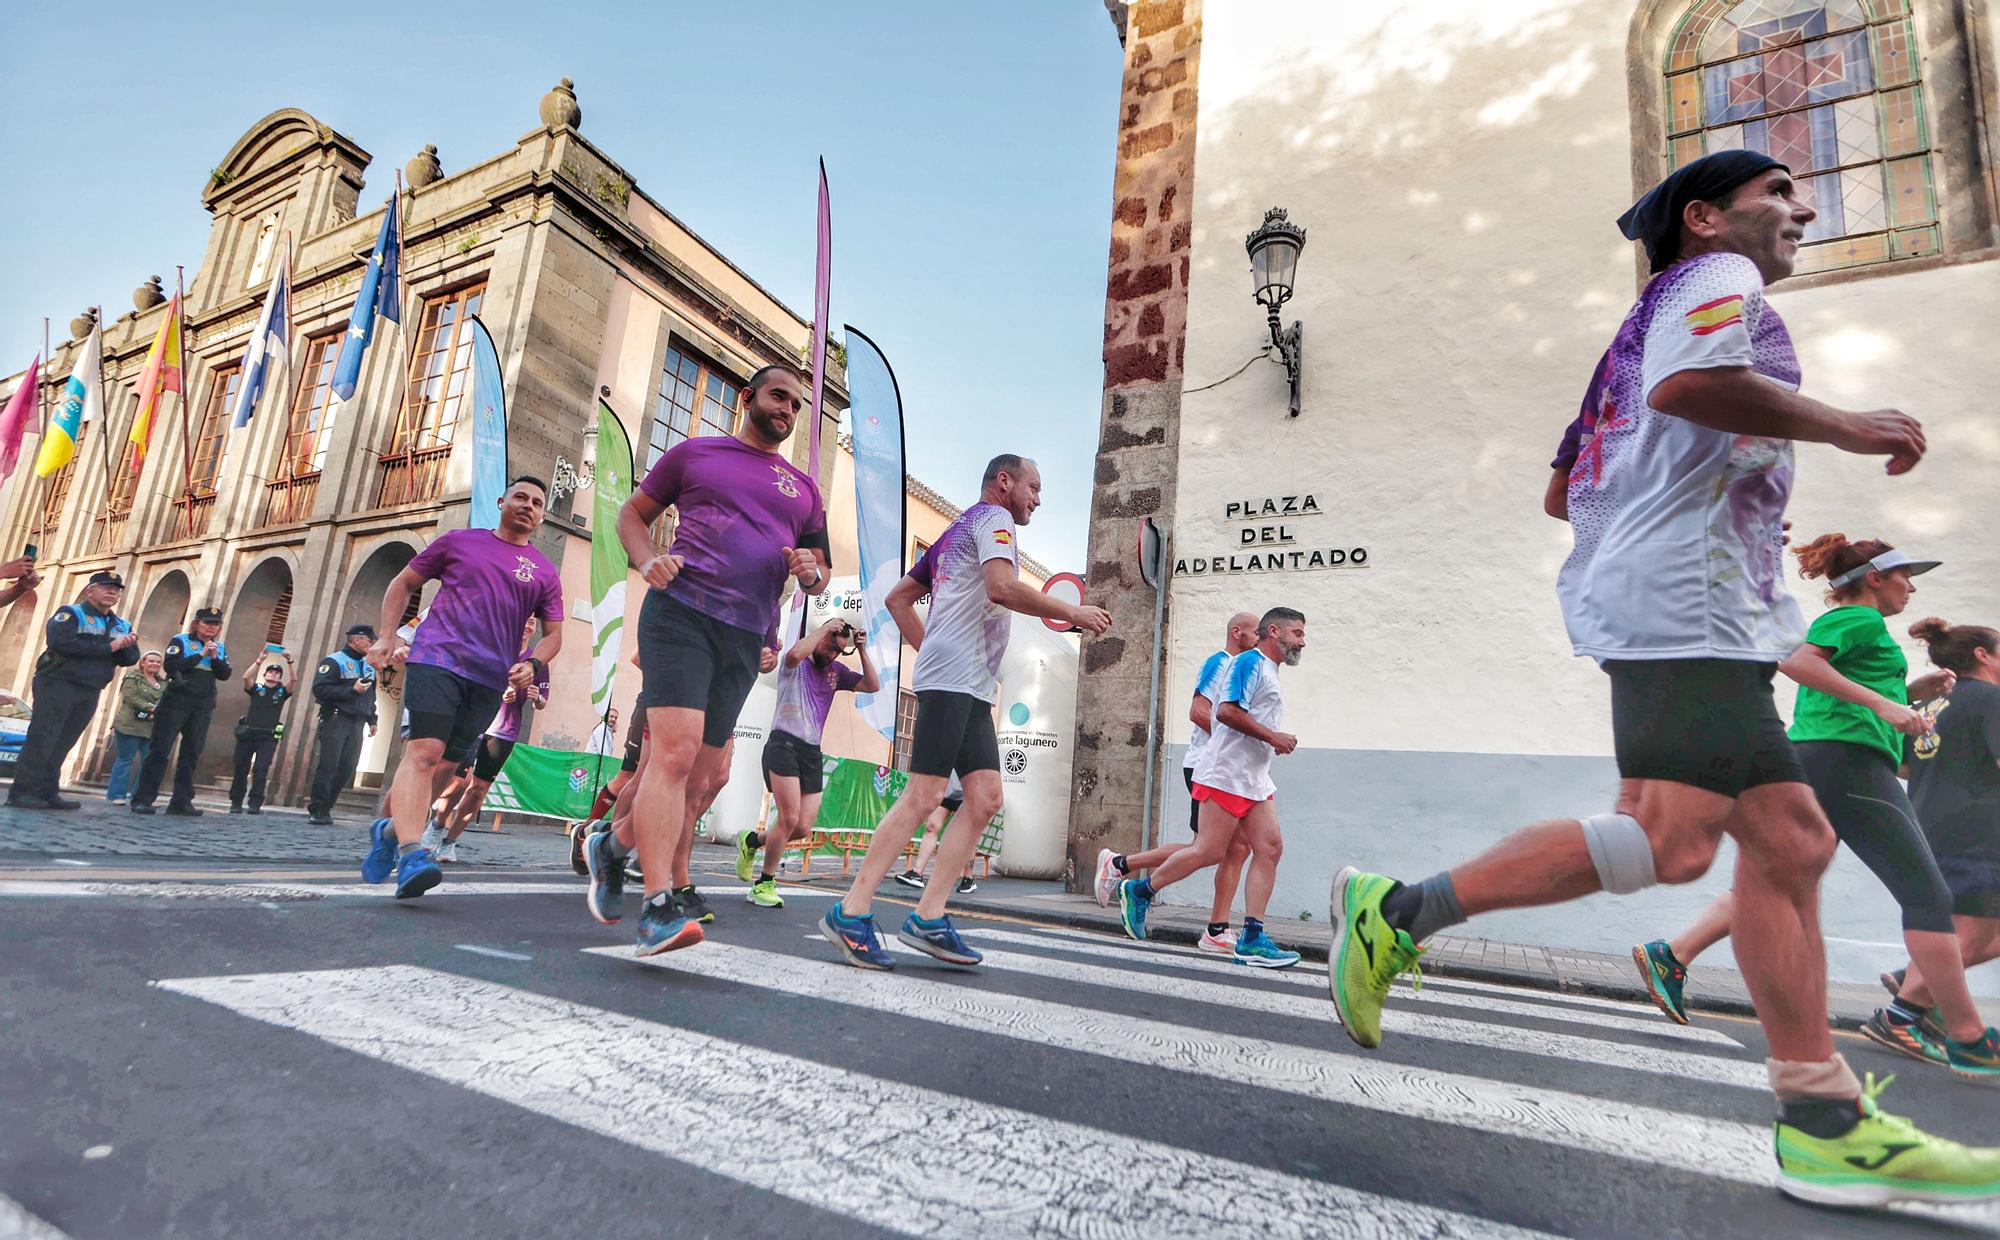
{"x":1628,"y":1017}
{"x":1678,"y":1064}
{"x":328,"y":891}
{"x":841,"y":1141}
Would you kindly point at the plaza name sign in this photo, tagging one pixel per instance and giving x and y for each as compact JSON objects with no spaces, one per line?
{"x":1268,"y":541}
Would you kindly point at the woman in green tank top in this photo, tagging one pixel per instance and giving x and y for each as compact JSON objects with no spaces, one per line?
{"x":1852,"y":712}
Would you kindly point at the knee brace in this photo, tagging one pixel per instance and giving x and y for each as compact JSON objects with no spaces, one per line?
{"x":1620,"y":851}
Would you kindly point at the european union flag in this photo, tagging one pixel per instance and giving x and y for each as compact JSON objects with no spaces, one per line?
{"x":380,"y":294}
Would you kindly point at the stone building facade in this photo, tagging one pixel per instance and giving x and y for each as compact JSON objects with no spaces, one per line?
{"x":295,"y":524}
{"x":1458,"y":165}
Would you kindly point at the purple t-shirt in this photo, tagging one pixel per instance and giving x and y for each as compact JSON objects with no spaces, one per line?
{"x":506,"y":725}
{"x":487,"y":590}
{"x":739,"y":507}
{"x":805,"y":695}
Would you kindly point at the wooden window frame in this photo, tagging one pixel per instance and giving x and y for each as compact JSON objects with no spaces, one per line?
{"x":326,"y":347}
{"x":437,"y":394}
{"x":661,"y":433}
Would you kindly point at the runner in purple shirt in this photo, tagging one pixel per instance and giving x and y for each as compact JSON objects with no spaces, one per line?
{"x":491,"y":584}
{"x":794,"y":767}
{"x":490,"y":754}
{"x":747,"y":518}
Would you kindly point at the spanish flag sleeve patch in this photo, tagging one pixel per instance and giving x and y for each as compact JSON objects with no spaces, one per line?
{"x":1712,"y":316}
{"x":1002,"y":537}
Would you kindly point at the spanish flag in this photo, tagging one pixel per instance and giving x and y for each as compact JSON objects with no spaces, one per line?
{"x":1712,"y":316}
{"x":162,"y":375}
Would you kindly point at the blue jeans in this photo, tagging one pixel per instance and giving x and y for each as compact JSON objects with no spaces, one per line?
{"x":131,"y":751}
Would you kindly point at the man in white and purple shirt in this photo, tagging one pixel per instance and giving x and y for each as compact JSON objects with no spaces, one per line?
{"x":811,"y":675}
{"x":746,"y":519}
{"x":972,"y":574}
{"x":459,"y":664}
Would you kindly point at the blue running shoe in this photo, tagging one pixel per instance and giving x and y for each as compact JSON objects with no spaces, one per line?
{"x":1259,"y":952}
{"x":856,"y":939}
{"x":937,"y":938}
{"x":417,"y":873}
{"x":664,"y":927}
{"x":1132,"y":906}
{"x":380,"y":862}
{"x":606,"y":898}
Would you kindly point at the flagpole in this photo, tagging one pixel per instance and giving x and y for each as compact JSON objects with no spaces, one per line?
{"x":102,"y":399}
{"x":403,"y":340}
{"x":187,"y":435}
{"x":42,"y":402}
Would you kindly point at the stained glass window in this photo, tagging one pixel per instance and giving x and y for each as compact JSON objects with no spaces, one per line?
{"x":1827,"y":87}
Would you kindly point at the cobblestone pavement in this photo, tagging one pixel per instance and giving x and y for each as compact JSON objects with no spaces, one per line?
{"x":275,"y":835}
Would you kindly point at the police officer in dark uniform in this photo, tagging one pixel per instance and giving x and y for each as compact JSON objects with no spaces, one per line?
{"x":196,"y":663}
{"x":87,"y":644}
{"x":344,"y":687}
{"x":257,"y":732}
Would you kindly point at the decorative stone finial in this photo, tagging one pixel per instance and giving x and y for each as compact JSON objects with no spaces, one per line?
{"x":559,"y":108}
{"x":423,"y":167}
{"x":148,"y":295}
{"x":79,"y":327}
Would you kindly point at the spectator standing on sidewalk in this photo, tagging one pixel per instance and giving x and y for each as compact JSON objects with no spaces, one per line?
{"x":196,"y":663}
{"x":87,"y":644}
{"x":132,"y":731}
{"x":257,"y":732}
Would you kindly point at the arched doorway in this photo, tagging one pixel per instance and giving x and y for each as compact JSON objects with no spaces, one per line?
{"x":165,"y":612}
{"x":260,"y":614}
{"x":364,"y":605}
{"x":17,"y":638}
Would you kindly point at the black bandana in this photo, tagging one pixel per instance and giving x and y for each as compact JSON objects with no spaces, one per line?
{"x":1656,"y":218}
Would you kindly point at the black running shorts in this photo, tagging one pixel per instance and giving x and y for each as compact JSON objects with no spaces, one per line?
{"x":696,"y":662}
{"x":787,"y":755}
{"x":954,"y":732}
{"x":490,"y":757}
{"x":445,"y":706}
{"x":1194,"y":806}
{"x":1974,"y":883}
{"x":1711,"y":723}
{"x":635,"y":736}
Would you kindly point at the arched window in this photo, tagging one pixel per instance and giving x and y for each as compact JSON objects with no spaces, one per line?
{"x":1830,"y":88}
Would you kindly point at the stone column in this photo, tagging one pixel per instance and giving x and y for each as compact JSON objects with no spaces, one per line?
{"x":1145,"y":327}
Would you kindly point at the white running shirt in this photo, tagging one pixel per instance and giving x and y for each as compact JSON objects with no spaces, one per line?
{"x":1679,"y":528}
{"x":966,"y":633}
{"x":1208,"y":683}
{"x":1237,"y":762}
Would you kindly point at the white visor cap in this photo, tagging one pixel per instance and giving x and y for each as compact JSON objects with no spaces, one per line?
{"x":1888,"y":560}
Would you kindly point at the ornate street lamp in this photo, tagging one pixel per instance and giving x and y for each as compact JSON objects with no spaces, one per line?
{"x":1274,"y":260}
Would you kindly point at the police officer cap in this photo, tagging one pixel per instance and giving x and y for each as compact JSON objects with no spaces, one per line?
{"x":107,"y":578}
{"x":212,"y":615}
{"x":362,"y":630}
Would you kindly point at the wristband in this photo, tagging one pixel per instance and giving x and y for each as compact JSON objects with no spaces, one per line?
{"x":541,"y":668}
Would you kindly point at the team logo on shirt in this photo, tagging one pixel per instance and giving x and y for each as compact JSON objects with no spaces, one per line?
{"x":524,"y":568}
{"x":1712,"y":316}
{"x":788,"y":482}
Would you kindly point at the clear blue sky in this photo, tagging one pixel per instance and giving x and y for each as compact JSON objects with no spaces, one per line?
{"x":969,"y":148}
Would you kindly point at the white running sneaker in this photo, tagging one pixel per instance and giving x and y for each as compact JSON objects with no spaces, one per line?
{"x":449,"y":852}
{"x":433,"y":836}
{"x":1223,"y":944}
{"x":1108,"y":878}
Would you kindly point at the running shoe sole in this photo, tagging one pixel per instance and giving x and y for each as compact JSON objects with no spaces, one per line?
{"x":690,"y":935}
{"x":934,"y":951}
{"x":1873,"y":1193}
{"x":1892,"y":981}
{"x":420,"y":882}
{"x":1105,"y":883}
{"x":833,"y":935}
{"x":1264,"y":962}
{"x":1653,"y":992}
{"x":1337,"y":915}
{"x":1868,"y":1031}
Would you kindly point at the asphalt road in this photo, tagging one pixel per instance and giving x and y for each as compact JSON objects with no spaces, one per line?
{"x":268,"y":1049}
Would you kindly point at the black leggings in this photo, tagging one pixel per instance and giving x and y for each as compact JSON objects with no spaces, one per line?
{"x":1857,"y":787}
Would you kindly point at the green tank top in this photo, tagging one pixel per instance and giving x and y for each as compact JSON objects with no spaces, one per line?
{"x":1863,"y":652}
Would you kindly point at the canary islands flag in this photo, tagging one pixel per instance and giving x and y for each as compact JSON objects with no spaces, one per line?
{"x":82,"y":399}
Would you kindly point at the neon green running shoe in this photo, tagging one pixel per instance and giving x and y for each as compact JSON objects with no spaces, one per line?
{"x":1368,"y":953}
{"x":746,"y":855}
{"x":764,"y":893}
{"x":1883,"y":1158}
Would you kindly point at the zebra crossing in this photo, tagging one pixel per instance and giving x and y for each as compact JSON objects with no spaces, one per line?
{"x":1082,"y":1085}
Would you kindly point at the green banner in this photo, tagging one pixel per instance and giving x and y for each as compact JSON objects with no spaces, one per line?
{"x":608,"y":565}
{"x":858,"y":794}
{"x":554,"y":783}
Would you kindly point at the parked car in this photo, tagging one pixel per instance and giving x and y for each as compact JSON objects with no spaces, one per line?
{"x":13,"y":730}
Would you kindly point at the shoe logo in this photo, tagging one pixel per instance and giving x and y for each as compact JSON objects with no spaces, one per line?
{"x":1888,"y":1152}
{"x":1367,"y":944}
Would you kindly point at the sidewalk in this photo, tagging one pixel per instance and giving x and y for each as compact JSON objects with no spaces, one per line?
{"x":1577,"y":972}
